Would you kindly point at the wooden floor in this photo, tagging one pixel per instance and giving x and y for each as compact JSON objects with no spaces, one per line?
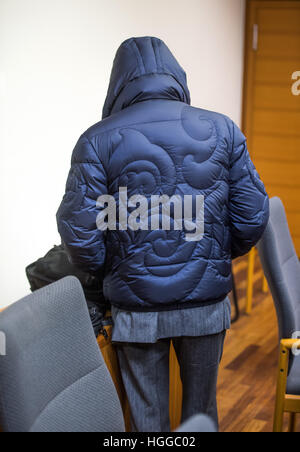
{"x":247,"y":379}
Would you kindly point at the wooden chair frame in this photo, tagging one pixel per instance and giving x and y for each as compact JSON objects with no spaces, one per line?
{"x":285,"y":403}
{"x":250,"y":282}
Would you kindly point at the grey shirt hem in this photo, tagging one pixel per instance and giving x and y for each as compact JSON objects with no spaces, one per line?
{"x":149,"y":327}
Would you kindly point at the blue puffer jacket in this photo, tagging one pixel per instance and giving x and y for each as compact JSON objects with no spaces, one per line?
{"x":152,"y":142}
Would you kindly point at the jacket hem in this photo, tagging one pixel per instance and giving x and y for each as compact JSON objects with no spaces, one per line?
{"x":173,"y":307}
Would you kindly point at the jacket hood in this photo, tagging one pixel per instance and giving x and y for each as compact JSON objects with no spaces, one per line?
{"x":144,"y":68}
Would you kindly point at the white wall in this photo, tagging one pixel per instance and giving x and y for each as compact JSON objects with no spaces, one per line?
{"x":55,"y":61}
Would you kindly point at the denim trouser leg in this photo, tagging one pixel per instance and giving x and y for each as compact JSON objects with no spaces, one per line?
{"x":199,"y":359}
{"x":145,"y":373}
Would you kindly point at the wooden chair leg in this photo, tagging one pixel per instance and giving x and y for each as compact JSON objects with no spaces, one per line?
{"x":265,"y":286}
{"x":292,"y":422}
{"x":250,"y":277}
{"x":281,"y":389}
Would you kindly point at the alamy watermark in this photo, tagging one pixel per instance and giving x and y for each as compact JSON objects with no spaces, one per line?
{"x":153,"y":213}
{"x":296,"y":84}
{"x":2,"y":344}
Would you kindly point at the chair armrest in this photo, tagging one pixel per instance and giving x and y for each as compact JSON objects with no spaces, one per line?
{"x":290,"y":343}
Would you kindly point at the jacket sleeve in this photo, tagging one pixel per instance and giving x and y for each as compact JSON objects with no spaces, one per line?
{"x":77,"y":214}
{"x":249,"y":202}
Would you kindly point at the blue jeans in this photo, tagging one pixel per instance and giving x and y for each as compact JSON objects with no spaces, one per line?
{"x":145,"y":373}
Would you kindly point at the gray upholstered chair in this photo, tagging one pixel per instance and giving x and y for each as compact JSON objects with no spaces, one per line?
{"x":282,"y":270}
{"x":52,"y":374}
{"x":53,"y":377}
{"x":198,"y":423}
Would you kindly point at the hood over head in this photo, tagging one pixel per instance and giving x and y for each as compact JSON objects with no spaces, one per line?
{"x":144,"y":68}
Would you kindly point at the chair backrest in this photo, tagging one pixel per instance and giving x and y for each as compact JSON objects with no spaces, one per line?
{"x":53,"y":377}
{"x":198,"y":423}
{"x":282,"y":269}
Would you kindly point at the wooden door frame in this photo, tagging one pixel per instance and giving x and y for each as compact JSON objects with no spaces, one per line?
{"x":249,"y":60}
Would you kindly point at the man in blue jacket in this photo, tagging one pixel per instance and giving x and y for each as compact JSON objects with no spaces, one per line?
{"x":160,"y":198}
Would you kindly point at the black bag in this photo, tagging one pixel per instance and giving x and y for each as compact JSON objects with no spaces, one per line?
{"x":56,"y":265}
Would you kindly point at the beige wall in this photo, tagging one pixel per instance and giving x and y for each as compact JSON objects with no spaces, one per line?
{"x":55,"y":60}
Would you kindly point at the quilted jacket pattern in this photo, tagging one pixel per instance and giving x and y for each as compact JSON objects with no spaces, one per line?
{"x":153,"y":142}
